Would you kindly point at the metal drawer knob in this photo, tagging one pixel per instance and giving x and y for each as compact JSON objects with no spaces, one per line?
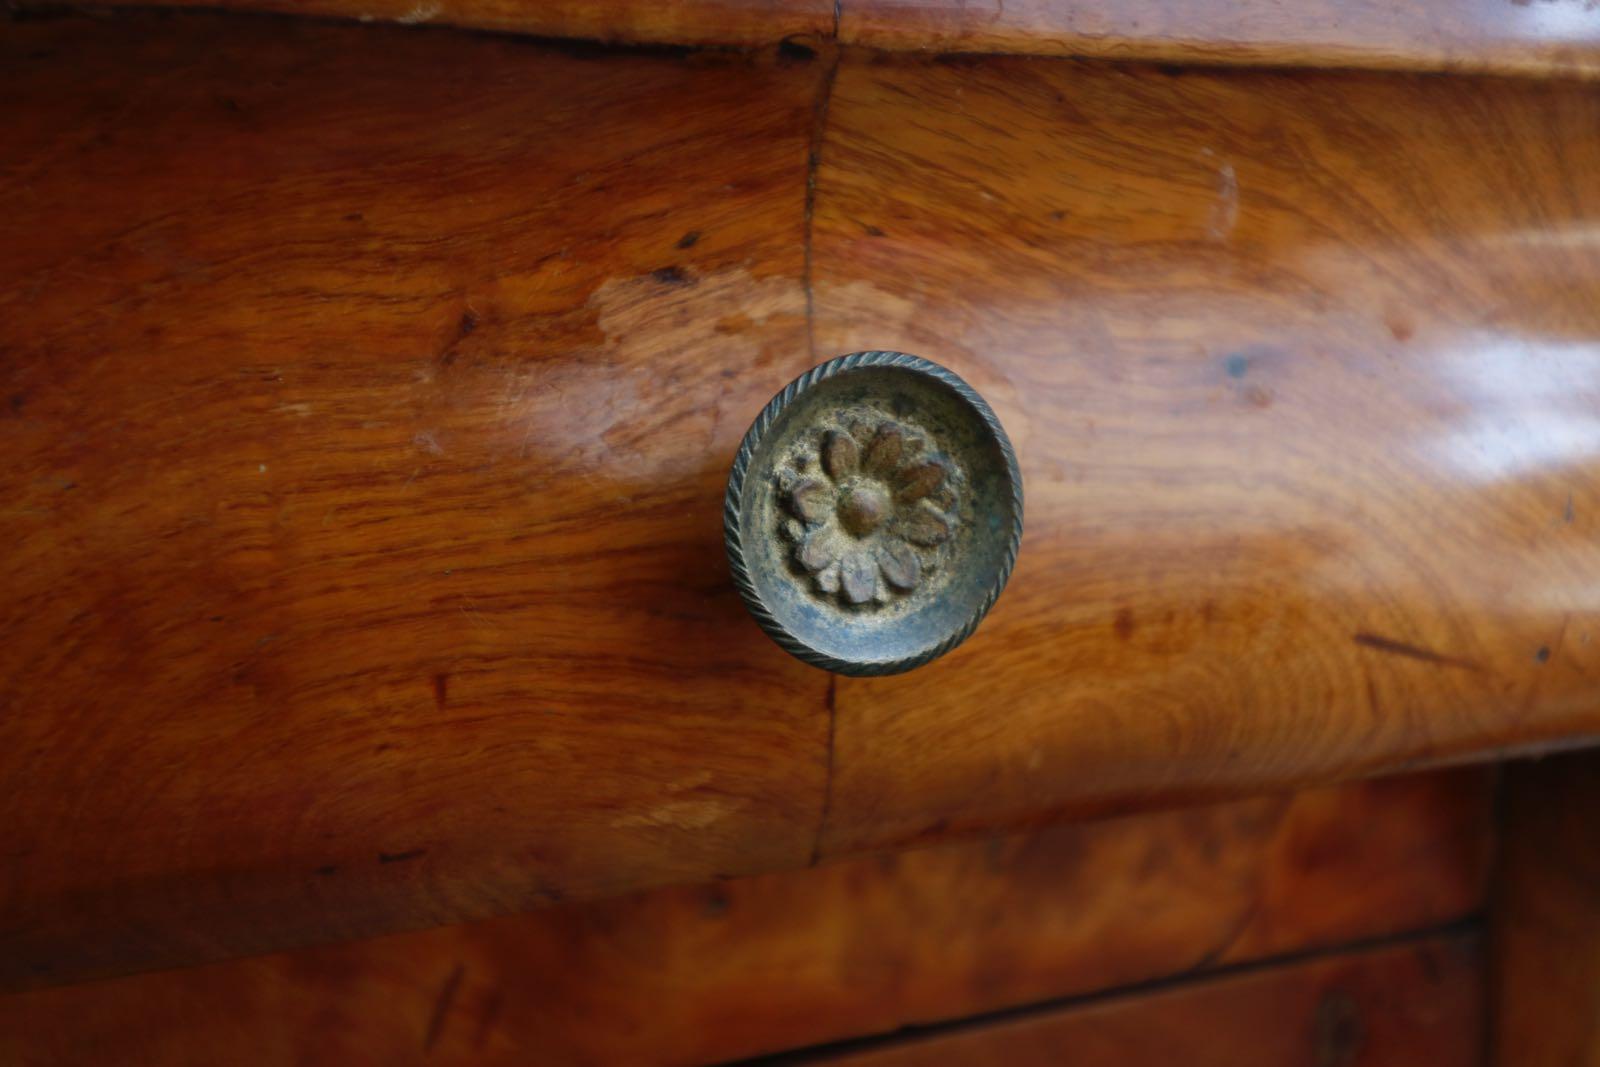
{"x":873,"y":513}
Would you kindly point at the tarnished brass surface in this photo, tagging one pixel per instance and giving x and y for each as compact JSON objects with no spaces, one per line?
{"x":873,"y":513}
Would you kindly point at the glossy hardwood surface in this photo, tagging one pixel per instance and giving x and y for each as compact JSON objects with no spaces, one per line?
{"x":1540,"y":37}
{"x":739,"y":23}
{"x":369,"y":403}
{"x":861,"y":947}
{"x":1413,"y":1004}
{"x":369,"y":394}
{"x":1302,"y":372}
{"x":1546,"y":974}
{"x":1553,"y":38}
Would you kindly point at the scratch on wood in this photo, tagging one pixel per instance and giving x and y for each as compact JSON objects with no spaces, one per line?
{"x":1225,"y":212}
{"x":400,"y":857}
{"x":690,"y":813}
{"x":441,"y":1007}
{"x":1400,"y":648}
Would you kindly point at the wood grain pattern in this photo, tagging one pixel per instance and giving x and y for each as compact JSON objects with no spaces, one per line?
{"x":1551,"y":38}
{"x":1546,"y":968}
{"x":759,"y":965}
{"x":740,"y":23}
{"x":1537,"y":37}
{"x":370,"y":399}
{"x":1302,"y":375}
{"x":369,"y":396}
{"x":1399,"y":1007}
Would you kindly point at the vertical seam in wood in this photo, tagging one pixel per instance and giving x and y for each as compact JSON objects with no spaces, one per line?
{"x":1493,"y":908}
{"x":827,"y":780}
{"x":813,"y":162}
{"x":838,"y":12}
{"x":819,"y":125}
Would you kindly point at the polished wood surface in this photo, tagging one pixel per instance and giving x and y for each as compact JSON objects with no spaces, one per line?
{"x":369,"y":394}
{"x":861,"y":947}
{"x":1412,"y":1004}
{"x":369,"y":403}
{"x":1302,"y":373}
{"x":1534,"y":37}
{"x":740,"y":23}
{"x":1546,"y":965}
{"x":1551,"y":38}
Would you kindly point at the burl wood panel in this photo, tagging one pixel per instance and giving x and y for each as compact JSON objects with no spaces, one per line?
{"x":1546,"y":967}
{"x":1302,"y":372}
{"x":1414,"y":1003}
{"x":369,"y":397}
{"x":750,"y":966}
{"x":1539,"y":37}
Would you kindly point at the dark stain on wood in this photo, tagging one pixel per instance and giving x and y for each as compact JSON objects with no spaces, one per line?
{"x":716,"y":903}
{"x":492,"y":1004}
{"x":1338,"y":1032}
{"x":671,"y":276}
{"x":795,"y":51}
{"x":1123,"y":624}
{"x":401,"y":857}
{"x":469,"y":322}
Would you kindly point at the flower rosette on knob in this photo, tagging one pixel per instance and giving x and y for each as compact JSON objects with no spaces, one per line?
{"x":870,"y":509}
{"x":873,"y":513}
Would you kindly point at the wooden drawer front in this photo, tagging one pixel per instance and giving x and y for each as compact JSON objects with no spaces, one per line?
{"x":1414,"y":1003}
{"x":859,"y":948}
{"x":369,"y":396}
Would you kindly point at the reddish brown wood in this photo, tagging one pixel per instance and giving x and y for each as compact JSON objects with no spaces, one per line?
{"x":1556,"y":38}
{"x":702,"y":975}
{"x":368,"y":396}
{"x":369,"y":399}
{"x":1548,"y":37}
{"x":1302,"y":385}
{"x":1413,"y":1004}
{"x":1546,"y":977}
{"x":678,"y":22}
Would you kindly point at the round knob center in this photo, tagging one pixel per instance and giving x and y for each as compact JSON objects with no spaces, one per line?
{"x":863,"y":507}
